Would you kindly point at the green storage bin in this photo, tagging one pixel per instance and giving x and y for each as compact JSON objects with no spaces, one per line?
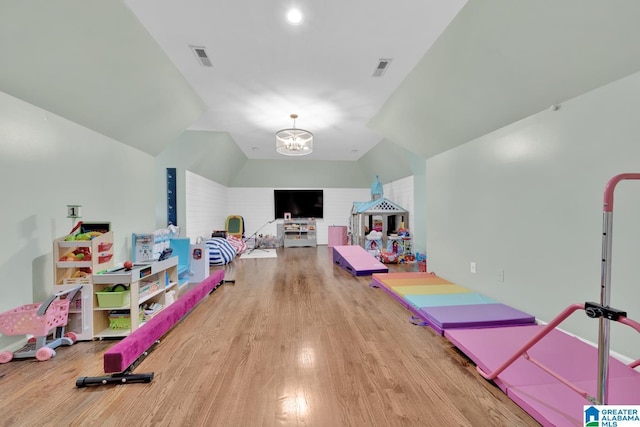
{"x":116,"y":296}
{"x":119,"y":320}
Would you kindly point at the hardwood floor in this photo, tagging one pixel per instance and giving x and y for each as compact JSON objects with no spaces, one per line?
{"x":296,"y":341}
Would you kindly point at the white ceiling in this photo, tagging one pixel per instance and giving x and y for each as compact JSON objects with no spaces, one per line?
{"x":265,"y":69}
{"x":126,"y":71}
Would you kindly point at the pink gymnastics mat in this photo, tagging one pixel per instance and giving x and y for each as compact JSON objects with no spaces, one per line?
{"x":357,"y":261}
{"x":547,"y":400}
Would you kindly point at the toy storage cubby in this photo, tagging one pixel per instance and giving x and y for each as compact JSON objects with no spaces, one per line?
{"x":299,"y":232}
{"x":119,"y":314}
{"x":76,"y":261}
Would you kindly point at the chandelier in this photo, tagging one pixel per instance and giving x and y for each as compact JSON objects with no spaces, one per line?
{"x":294,"y":141}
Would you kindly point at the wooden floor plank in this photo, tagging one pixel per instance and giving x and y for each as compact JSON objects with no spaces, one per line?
{"x":296,"y":341}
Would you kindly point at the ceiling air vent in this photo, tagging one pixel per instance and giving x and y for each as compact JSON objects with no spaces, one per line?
{"x":202,"y":56}
{"x":383,"y":64}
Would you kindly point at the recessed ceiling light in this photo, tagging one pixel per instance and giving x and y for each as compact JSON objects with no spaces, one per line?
{"x":294,"y":16}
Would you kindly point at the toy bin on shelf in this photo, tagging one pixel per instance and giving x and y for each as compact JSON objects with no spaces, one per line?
{"x":116,"y":296}
{"x":121,"y":319}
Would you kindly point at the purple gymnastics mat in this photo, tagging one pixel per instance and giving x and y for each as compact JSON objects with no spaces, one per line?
{"x":476,"y":316}
{"x":463,"y":316}
{"x":545,"y":398}
{"x":451,"y":311}
{"x":357,"y":261}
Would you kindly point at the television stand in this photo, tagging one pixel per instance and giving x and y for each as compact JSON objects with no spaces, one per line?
{"x":300,"y":232}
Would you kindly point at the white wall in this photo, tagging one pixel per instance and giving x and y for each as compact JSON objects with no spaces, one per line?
{"x":46,"y":163}
{"x":401,"y":192}
{"x":209,"y":204}
{"x":527,"y":200}
{"x":256,"y":206}
{"x":206,"y":206}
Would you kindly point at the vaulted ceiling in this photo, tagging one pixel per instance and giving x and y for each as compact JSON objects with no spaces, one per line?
{"x":458,"y":70}
{"x":263,"y":69}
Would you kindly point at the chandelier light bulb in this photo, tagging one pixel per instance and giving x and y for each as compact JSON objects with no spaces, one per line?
{"x":294,"y":16}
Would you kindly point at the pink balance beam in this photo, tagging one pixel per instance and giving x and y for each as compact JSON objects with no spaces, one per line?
{"x":122,"y":355}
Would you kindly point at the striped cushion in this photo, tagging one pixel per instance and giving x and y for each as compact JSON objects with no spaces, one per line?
{"x":220,"y":251}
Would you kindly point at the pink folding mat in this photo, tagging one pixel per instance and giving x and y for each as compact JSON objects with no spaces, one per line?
{"x":546,"y":399}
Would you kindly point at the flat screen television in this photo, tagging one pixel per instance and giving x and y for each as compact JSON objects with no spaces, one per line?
{"x":299,"y":203}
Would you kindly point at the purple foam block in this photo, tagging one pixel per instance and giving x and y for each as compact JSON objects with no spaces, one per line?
{"x":476,"y":316}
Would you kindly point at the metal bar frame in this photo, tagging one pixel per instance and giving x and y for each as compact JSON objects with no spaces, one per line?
{"x":604,"y":325}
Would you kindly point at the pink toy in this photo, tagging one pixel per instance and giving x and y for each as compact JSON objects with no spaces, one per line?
{"x":39,"y":320}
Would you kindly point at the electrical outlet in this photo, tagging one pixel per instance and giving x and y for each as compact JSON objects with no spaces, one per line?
{"x":472,"y":267}
{"x":501,"y":275}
